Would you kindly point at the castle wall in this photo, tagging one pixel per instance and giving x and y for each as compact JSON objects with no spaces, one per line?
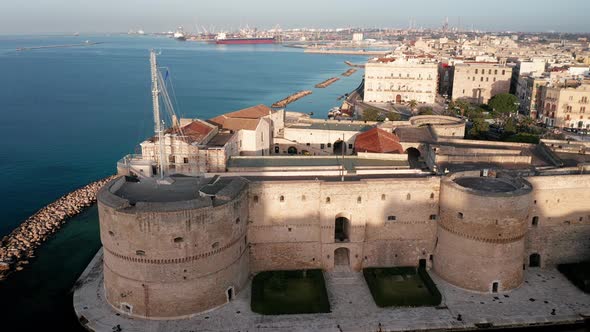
{"x":562,"y":231}
{"x":293,"y":224}
{"x":173,"y":262}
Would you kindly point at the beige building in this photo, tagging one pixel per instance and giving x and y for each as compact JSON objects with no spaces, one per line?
{"x":195,"y":146}
{"x":401,"y":80}
{"x":529,"y":93}
{"x":566,"y":107}
{"x":479,"y":82}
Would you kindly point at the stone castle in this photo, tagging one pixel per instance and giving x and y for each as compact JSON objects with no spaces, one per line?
{"x":280,"y":191}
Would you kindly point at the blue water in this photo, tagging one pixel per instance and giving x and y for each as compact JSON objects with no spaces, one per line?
{"x":68,"y":114}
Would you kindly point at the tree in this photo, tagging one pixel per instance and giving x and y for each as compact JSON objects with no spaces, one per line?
{"x":504,"y":104}
{"x":426,"y":110}
{"x":510,"y":126}
{"x":479,"y":128}
{"x":371,"y":114}
{"x":392,"y":116}
{"x":461,"y":105}
{"x":412,"y":103}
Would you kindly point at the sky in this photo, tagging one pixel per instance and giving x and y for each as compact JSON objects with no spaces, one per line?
{"x":68,"y":16}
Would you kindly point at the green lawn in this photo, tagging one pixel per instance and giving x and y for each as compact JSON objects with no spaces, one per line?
{"x":401,"y":287}
{"x":289,"y":292}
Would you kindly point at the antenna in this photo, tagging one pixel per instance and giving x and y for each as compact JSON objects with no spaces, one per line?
{"x":156,"y":104}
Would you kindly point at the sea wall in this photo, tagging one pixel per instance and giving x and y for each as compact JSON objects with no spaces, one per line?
{"x":20,"y":245}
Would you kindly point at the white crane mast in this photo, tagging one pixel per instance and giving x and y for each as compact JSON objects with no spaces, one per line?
{"x":158,"y":128}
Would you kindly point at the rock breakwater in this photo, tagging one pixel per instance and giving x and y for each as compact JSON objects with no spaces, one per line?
{"x":17,"y":247}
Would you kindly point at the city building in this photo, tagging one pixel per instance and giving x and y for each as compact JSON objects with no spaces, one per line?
{"x":400,"y":80}
{"x":479,"y":82}
{"x":529,"y":93}
{"x":565,"y":106}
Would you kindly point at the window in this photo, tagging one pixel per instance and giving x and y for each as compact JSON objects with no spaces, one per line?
{"x":503,"y":72}
{"x":495,"y":287}
{"x":476,"y":71}
{"x":327,"y":200}
{"x":140,"y":252}
{"x":185,"y":160}
{"x":460,"y":215}
{"x":255,"y":198}
{"x":535,"y":221}
{"x":303,"y":198}
{"x":329,"y":145}
{"x":408,"y":197}
{"x":490,"y":72}
{"x":494,"y":79}
{"x":282,"y":198}
{"x":383,"y":197}
{"x":322,"y":146}
{"x":111,"y":233}
{"x":390,"y":218}
{"x":487,"y":79}
{"x":359,"y":200}
{"x":171,"y":159}
{"x":237,"y":220}
{"x":481,"y":79}
{"x":215,"y":245}
{"x":583,"y":109}
{"x":496,"y":72}
{"x":308,"y":144}
{"x":350,"y":146}
{"x":178,"y":240}
{"x":433,"y":217}
{"x":431,"y":195}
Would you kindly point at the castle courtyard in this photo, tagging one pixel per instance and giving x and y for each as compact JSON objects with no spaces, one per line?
{"x":545,"y":296}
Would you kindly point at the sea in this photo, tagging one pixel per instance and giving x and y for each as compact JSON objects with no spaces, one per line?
{"x":68,"y":114}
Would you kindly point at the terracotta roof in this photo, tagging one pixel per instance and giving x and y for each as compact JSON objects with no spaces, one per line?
{"x":237,"y":124}
{"x":378,"y":141}
{"x":246,"y":118}
{"x":196,"y":131}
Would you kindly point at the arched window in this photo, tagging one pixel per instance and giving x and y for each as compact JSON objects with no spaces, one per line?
{"x":535,"y":221}
{"x":282,"y":198}
{"x":327,"y":200}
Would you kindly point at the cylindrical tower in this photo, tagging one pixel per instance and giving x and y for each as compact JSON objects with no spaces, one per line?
{"x":480,"y":236}
{"x":173,"y":250}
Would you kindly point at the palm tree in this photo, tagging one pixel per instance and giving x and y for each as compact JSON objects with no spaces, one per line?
{"x":412,"y":103}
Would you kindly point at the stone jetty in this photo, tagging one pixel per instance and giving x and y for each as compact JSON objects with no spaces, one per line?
{"x":327,"y":82}
{"x":17,"y":247}
{"x":294,"y":97}
{"x":349,"y":72}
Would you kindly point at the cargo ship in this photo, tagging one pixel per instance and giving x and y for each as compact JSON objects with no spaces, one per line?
{"x":222,"y":39}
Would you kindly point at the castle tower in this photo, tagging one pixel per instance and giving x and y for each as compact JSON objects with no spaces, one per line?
{"x":480,"y":238}
{"x":173,"y":250}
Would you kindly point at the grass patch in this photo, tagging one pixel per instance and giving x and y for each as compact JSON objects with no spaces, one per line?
{"x":402,"y":287}
{"x":289,"y":292}
{"x":578,"y":274}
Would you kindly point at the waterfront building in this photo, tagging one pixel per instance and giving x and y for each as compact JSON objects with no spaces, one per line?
{"x":566,"y":106}
{"x":479,"y":82}
{"x":400,"y":80}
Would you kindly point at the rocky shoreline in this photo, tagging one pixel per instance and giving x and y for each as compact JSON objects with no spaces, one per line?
{"x":19,"y":246}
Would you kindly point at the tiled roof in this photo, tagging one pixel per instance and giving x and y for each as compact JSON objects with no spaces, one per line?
{"x":246,"y":118}
{"x":378,"y":141}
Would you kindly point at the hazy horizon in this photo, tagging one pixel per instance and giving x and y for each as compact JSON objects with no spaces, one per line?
{"x":110,"y":16}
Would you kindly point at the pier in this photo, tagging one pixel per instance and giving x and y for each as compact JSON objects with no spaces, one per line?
{"x":57,"y":46}
{"x":345,"y":52}
{"x":354,"y":65}
{"x":326,"y":83}
{"x":349,"y":72}
{"x":19,"y":246}
{"x":294,"y":97}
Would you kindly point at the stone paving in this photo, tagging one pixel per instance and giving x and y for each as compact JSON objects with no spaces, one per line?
{"x":546,"y":296}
